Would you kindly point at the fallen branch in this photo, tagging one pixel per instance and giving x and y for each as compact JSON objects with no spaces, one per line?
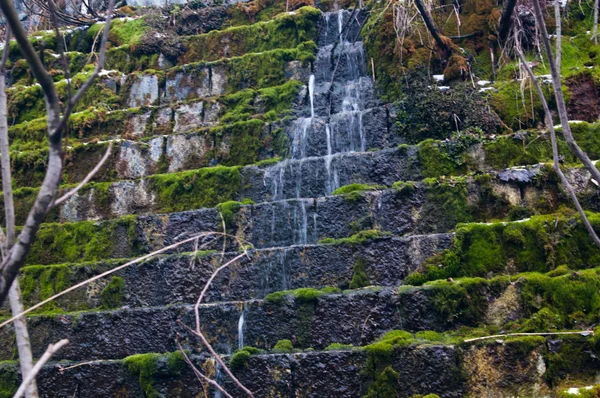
{"x":87,"y":177}
{"x":51,"y":350}
{"x":497,"y":336}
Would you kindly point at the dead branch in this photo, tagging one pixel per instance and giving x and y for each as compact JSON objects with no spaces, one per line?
{"x":506,"y":21}
{"x":498,"y":336}
{"x":45,"y":198}
{"x":431,"y":27}
{"x":111,"y":271}
{"x":558,"y":94}
{"x":51,"y":350}
{"x":555,"y":154}
{"x":199,"y":374}
{"x":87,"y":177}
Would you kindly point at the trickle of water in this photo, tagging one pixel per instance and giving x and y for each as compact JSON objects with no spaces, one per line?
{"x":311,"y":94}
{"x":218,"y":379}
{"x":340,"y":20}
{"x":304,"y":227}
{"x":301,"y":128}
{"x":241,"y":331}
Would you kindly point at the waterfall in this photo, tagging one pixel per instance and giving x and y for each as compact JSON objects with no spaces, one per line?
{"x":218,"y":379}
{"x":241,"y":331}
{"x":311,"y":94}
{"x":328,"y":158}
{"x":340,"y":20}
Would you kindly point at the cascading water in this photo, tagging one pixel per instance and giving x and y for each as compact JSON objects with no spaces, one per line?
{"x":218,"y":379}
{"x":311,"y":94}
{"x":327,"y":132}
{"x":241,"y":331}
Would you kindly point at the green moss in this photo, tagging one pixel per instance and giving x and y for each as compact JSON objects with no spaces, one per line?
{"x":151,"y":367}
{"x":385,"y":385}
{"x":539,"y":244}
{"x":359,"y":276}
{"x":126,"y":32}
{"x":84,"y":241}
{"x":584,"y":392}
{"x":442,"y":159}
{"x":301,"y":296}
{"x":405,"y":187}
{"x":339,"y":347}
{"x":196,"y":189}
{"x":284,"y":346}
{"x":359,"y":238}
{"x":284,"y":31}
{"x":9,"y":380}
{"x":239,"y":360}
{"x":113,"y":295}
{"x":354,"y":191}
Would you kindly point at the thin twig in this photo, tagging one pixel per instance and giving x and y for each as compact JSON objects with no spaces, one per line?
{"x":52,"y":348}
{"x":199,"y":374}
{"x":217,"y":357}
{"x":497,"y":336}
{"x":87,"y":177}
{"x":111,"y":271}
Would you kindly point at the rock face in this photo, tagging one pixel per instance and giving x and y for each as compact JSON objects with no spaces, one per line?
{"x":275,"y":134}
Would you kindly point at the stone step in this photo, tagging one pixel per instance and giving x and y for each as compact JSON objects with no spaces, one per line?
{"x":420,"y":367}
{"x":177,"y":278}
{"x":283,"y":31}
{"x":423,"y":369}
{"x":201,"y":76}
{"x":318,"y":318}
{"x":180,"y":83}
{"x":430,"y":207}
{"x":203,"y":97}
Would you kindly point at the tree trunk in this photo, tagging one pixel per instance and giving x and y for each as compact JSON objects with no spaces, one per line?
{"x":506,"y":21}
{"x":16,"y":300}
{"x":555,"y":153}
{"x":595,"y":33}
{"x":431,"y":27}
{"x":558,"y":34}
{"x":22,"y":335}
{"x":558,"y":94}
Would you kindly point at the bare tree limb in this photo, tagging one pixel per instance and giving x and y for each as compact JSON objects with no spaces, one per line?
{"x":560,"y":100}
{"x":431,"y":26}
{"x":51,"y":350}
{"x":558,"y":34}
{"x":87,"y":177}
{"x":595,"y":31}
{"x":111,"y":271}
{"x":14,"y":294}
{"x":497,"y":336}
{"x":45,"y":198}
{"x":217,"y":358}
{"x":199,"y":374}
{"x":506,"y":21}
{"x":555,"y":154}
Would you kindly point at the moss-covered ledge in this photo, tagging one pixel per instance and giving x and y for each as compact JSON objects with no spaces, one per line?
{"x":538,"y":244}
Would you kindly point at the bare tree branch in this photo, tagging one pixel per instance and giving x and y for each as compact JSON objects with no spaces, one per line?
{"x":497,"y":336}
{"x":595,"y":31}
{"x":51,"y":350}
{"x":87,"y":177}
{"x":14,"y":294}
{"x":111,"y":271}
{"x":506,"y":21}
{"x":199,"y":374}
{"x":560,"y":100}
{"x":555,"y":154}
{"x":431,"y":26}
{"x":45,"y":198}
